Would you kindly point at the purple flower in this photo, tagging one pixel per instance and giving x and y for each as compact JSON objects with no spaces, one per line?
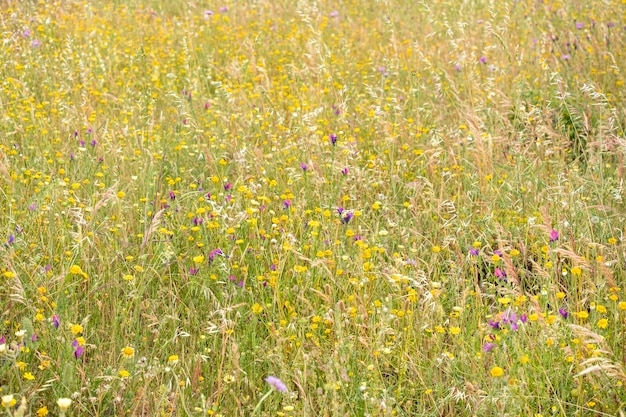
{"x":35,"y":43}
{"x":286,"y":204}
{"x":26,"y":33}
{"x":494,"y":324}
{"x":346,"y":217}
{"x":213,"y":253}
{"x":11,"y":239}
{"x":473,"y":252}
{"x":333,"y":138}
{"x":93,"y":142}
{"x":487,"y":347}
{"x":554,"y":236}
{"x":563,"y":312}
{"x":483,"y":59}
{"x":32,"y":207}
{"x":276,"y":383}
{"x":579,"y":25}
{"x":197,"y":221}
{"x":333,"y":13}
{"x":304,"y":166}
{"x":33,"y":338}
{"x":223,"y":9}
{"x":172,"y":195}
{"x":193,"y":271}
{"x":344,"y":171}
{"x":565,"y":57}
{"x":2,"y":339}
{"x":500,"y":273}
{"x":79,"y":352}
{"x":227,"y":186}
{"x":207,"y":105}
{"x":457,"y":67}
{"x":208,"y":13}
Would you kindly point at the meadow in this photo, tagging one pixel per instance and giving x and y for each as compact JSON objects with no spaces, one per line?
{"x":312,"y":208}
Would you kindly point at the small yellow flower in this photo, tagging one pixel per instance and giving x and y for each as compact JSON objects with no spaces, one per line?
{"x":436,"y":249}
{"x":622,"y":305}
{"x":124,"y":373}
{"x":29,"y":376}
{"x":612,"y":241}
{"x":582,"y":314}
{"x":198,"y":259}
{"x":576,"y":271}
{"x":603,"y":323}
{"x":42,"y":412}
{"x":76,"y":329}
{"x":256,"y":308}
{"x":496,"y":371}
{"x":173,"y":359}
{"x":454,"y":330}
{"x":121,"y":194}
{"x":128,"y":352}
{"x":77,"y":270}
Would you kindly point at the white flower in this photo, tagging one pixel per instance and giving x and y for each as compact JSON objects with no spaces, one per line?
{"x":64,"y":404}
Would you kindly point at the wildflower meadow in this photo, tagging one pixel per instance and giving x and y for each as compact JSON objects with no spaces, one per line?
{"x":312,"y":208}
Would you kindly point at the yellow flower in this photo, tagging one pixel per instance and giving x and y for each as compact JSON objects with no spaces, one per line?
{"x":173,"y":359}
{"x":436,"y":249}
{"x":603,"y":323}
{"x":124,"y":373}
{"x":454,"y":330}
{"x":42,"y":412}
{"x":128,"y":352}
{"x":612,"y":241}
{"x":121,"y":194}
{"x":622,"y":305}
{"x":576,"y":271}
{"x":496,"y":371}
{"x":80,"y":341}
{"x":77,"y":270}
{"x":198,"y":259}
{"x":582,"y":314}
{"x":76,"y":329}
{"x":256,"y":308}
{"x":29,"y":376}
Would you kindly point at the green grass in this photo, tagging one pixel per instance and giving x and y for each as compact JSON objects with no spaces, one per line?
{"x":178,"y":221}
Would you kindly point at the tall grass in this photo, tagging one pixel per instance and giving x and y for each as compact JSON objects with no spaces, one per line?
{"x":395,"y":208}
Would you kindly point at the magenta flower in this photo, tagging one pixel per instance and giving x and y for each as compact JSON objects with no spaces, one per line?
{"x":563,"y":312}
{"x":276,"y":383}
{"x":473,"y":252}
{"x":554,"y":236}
{"x":55,"y":321}
{"x":333,"y":138}
{"x":487,"y":347}
{"x":500,"y":273}
{"x":483,"y":59}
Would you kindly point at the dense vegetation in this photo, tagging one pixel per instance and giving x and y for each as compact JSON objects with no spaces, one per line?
{"x":312,"y":208}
